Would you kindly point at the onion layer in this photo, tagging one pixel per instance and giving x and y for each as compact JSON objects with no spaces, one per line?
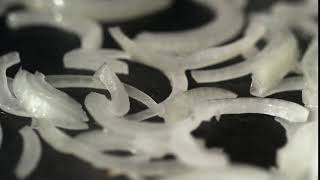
{"x":108,"y":11}
{"x":85,"y":59}
{"x":229,"y":22}
{"x":31,"y":153}
{"x":90,"y":32}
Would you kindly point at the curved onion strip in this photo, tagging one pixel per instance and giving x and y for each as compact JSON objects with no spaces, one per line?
{"x":180,"y":106}
{"x":90,"y":32}
{"x":108,"y":11}
{"x":131,"y":166}
{"x":234,"y":172}
{"x":106,"y":141}
{"x":85,"y":59}
{"x":267,"y":68}
{"x":8,"y":103}
{"x":172,"y":68}
{"x":288,"y":84}
{"x":31,"y":153}
{"x":274,"y":107}
{"x":215,"y":55}
{"x":286,"y":14}
{"x":98,"y":105}
{"x":120,"y":104}
{"x":43,"y":101}
{"x":229,"y":22}
{"x":296,"y":159}
{"x":82,"y":81}
{"x":310,"y":70}
{"x":187,"y":150}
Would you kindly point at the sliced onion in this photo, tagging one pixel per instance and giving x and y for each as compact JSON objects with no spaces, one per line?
{"x":189,"y":152}
{"x":8,"y":103}
{"x":298,"y":158}
{"x":166,"y":63}
{"x":310,"y":71}
{"x":98,"y":105}
{"x":289,"y":111}
{"x":90,"y":32}
{"x":267,"y":68}
{"x":288,"y":84}
{"x":31,"y":153}
{"x":80,"y":81}
{"x":120,"y":104}
{"x":229,"y":22}
{"x":43,"y":101}
{"x":106,"y":141}
{"x":131,"y":166}
{"x":215,"y":55}
{"x":109,"y":11}
{"x":85,"y":59}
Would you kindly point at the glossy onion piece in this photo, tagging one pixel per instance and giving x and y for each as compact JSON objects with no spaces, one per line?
{"x":82,"y":81}
{"x":106,"y":141}
{"x":299,"y":157}
{"x":288,"y":84}
{"x":235,"y":172}
{"x":43,"y":101}
{"x":8,"y":103}
{"x":274,"y":107}
{"x":90,"y":32}
{"x":107,"y":11}
{"x":182,"y":105}
{"x":85,"y":59}
{"x":172,"y":68}
{"x":286,"y":14}
{"x":31,"y":153}
{"x":310,"y":72}
{"x":219,"y":54}
{"x":228,"y":23}
{"x":192,"y":153}
{"x":130,"y":166}
{"x":98,"y":106}
{"x":120,"y":104}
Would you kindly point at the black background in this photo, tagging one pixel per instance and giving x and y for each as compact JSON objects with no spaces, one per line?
{"x":247,"y":138}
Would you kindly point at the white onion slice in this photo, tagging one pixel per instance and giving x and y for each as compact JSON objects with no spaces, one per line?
{"x":106,"y":141}
{"x":43,"y":101}
{"x":31,"y":153}
{"x":120,"y":104}
{"x":267,"y":68}
{"x":228,"y":23}
{"x":187,"y":150}
{"x":274,"y":107}
{"x":298,"y":158}
{"x":8,"y":103}
{"x":235,"y":172}
{"x":172,"y":68}
{"x":215,"y":55}
{"x":98,"y":105}
{"x":288,"y":84}
{"x":131,"y":166}
{"x":310,"y":71}
{"x":108,"y":11}
{"x":85,"y":59}
{"x":90,"y":32}
{"x":81,"y":81}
